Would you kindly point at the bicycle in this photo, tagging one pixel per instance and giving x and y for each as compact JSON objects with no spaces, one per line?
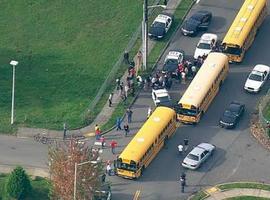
{"x":41,"y":138}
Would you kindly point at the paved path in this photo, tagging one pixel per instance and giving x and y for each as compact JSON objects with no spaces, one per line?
{"x":220,"y":195}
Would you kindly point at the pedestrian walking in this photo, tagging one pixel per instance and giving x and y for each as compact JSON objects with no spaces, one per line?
{"x":180,"y":149}
{"x":185,"y":145}
{"x":121,"y":87}
{"x":193,"y":71}
{"x":183,"y":77}
{"x":126,"y":91}
{"x":126,"y":128}
{"x":126,"y":57}
{"x":129,"y":115}
{"x":113,"y":146}
{"x":109,"y":169}
{"x":97,"y":132}
{"x":102,"y":140}
{"x":118,"y":123}
{"x":65,"y":131}
{"x":117,"y":83}
{"x":103,"y":177}
{"x":183,"y":182}
{"x":149,"y":112}
{"x":110,"y":99}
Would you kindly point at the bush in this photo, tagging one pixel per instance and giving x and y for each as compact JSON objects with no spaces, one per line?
{"x":18,"y":184}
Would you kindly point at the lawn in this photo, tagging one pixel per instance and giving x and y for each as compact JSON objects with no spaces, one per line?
{"x":65,"y":51}
{"x":40,"y":188}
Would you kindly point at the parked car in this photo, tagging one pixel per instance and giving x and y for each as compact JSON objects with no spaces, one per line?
{"x":104,"y":193}
{"x":197,"y":22}
{"x":161,"y":97}
{"x":198,"y":155}
{"x":172,"y":60}
{"x":257,"y":78}
{"x":160,"y":26}
{"x":232,"y":114}
{"x":205,"y":45}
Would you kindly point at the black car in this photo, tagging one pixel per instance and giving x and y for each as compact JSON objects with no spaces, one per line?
{"x":232,"y":115}
{"x":198,"y":21}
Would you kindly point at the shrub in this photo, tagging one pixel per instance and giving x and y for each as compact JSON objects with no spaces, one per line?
{"x":18,"y":184}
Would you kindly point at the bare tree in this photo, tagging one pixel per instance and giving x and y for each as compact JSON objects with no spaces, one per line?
{"x":63,"y":157}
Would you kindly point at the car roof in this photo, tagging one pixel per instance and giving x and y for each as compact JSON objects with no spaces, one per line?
{"x":199,"y":14}
{"x":198,"y":150}
{"x":261,"y":68}
{"x":162,"y":18}
{"x":174,"y":55}
{"x":207,"y":38}
{"x":161,"y":92}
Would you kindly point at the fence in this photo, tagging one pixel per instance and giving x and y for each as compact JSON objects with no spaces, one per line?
{"x":117,"y":65}
{"x":264,"y":105}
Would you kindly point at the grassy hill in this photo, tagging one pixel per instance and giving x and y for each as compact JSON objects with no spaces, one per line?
{"x":65,"y":50}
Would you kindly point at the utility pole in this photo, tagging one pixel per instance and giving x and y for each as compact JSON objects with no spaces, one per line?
{"x":145,"y":33}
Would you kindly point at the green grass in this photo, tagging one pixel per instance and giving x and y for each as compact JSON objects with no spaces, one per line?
{"x":152,"y":58}
{"x":267,"y":112}
{"x":65,"y":52}
{"x":244,"y":185}
{"x":200,"y":195}
{"x":247,"y":198}
{"x":40,"y":188}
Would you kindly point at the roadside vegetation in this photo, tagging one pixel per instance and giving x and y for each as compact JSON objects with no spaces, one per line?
{"x":40,"y":188}
{"x":65,"y":52}
{"x":228,"y":186}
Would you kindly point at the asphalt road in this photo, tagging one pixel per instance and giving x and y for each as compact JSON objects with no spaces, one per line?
{"x":238,"y":157}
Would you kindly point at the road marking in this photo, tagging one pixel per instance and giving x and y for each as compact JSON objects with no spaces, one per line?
{"x":137,"y":194}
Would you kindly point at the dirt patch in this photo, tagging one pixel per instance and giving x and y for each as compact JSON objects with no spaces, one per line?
{"x":258,"y":132}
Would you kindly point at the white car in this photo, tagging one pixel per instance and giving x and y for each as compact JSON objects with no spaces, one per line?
{"x":198,"y":155}
{"x":160,"y":26}
{"x":161,"y":97}
{"x":206,"y":44}
{"x":257,"y":78}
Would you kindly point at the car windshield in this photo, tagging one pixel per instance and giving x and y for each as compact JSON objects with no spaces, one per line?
{"x":234,"y":108}
{"x":228,"y":113}
{"x":188,"y":112}
{"x":126,"y":166}
{"x":193,"y":157}
{"x":163,"y":99}
{"x":158,"y":25}
{"x":255,"y":77}
{"x":232,"y":50}
{"x":172,"y":62}
{"x":204,"y":46}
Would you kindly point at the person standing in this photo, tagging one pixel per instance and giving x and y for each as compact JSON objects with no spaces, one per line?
{"x":110,"y":99}
{"x":126,"y":128}
{"x":183,"y":77}
{"x":183,"y":182}
{"x":118,"y":123}
{"x":102,"y":140}
{"x":185,"y":144}
{"x":113,"y":146}
{"x":126,"y":57}
{"x":109,"y":169}
{"x":129,"y":115}
{"x":149,"y":112}
{"x":65,"y":131}
{"x":97,"y":132}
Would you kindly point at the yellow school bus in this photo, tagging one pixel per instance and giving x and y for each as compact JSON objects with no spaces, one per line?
{"x":243,"y":29}
{"x":203,"y":88}
{"x":146,"y":144}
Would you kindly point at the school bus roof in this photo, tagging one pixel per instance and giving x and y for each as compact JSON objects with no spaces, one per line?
{"x":203,"y":80}
{"x":244,"y":22}
{"x":148,"y":133}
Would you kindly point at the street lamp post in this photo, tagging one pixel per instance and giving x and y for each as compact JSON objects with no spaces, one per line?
{"x":13,"y":63}
{"x":75,"y":175}
{"x":145,"y":30}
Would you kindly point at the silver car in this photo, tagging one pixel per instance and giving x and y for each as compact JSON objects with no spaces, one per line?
{"x":198,"y":155}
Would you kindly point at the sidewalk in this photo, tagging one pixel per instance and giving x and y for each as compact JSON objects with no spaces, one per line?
{"x":220,"y":195}
{"x":106,"y":112}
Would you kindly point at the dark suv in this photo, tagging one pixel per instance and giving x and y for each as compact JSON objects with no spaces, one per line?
{"x":198,"y":21}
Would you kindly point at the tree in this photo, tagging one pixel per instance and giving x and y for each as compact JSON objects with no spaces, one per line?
{"x":18,"y":184}
{"x":63,"y":157}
